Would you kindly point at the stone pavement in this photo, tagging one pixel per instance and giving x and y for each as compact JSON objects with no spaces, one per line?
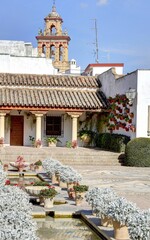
{"x":131,"y":183}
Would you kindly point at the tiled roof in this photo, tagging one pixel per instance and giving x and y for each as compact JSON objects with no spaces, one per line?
{"x":42,"y":91}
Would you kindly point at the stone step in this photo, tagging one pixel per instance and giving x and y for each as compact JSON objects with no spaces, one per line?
{"x":79,"y":156}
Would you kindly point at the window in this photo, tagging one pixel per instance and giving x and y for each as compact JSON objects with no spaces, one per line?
{"x":53,"y":125}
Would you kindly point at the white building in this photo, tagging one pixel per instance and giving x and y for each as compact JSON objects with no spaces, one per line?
{"x":139,"y":81}
{"x":26,"y":65}
{"x":98,"y":68}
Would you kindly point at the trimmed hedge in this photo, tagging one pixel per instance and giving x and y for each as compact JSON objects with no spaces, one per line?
{"x":113,"y":142}
{"x":137,"y":153}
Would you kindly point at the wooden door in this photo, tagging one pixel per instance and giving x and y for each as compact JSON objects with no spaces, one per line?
{"x":16,"y":130}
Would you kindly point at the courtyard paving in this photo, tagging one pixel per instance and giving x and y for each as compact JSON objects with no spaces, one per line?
{"x":131,"y":183}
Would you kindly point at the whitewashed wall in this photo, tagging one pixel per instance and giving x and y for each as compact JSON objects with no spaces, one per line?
{"x":26,"y":65}
{"x":112,"y":86}
{"x":143,"y":101}
{"x":30,"y":124}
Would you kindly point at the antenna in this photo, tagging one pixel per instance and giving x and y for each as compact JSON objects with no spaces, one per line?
{"x":96,"y":41}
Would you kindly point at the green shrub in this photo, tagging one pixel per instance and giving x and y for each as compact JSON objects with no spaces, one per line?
{"x":112,"y":142}
{"x":137,"y":153}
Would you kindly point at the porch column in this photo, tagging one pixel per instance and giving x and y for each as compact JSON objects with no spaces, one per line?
{"x":74,"y":117}
{"x":38,"y":130}
{"x":2,"y":125}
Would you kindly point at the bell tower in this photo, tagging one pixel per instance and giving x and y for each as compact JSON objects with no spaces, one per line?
{"x":53,"y":42}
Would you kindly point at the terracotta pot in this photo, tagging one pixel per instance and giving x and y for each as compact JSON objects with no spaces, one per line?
{"x":48,"y":202}
{"x":120,"y":232}
{"x":5,"y":168}
{"x":32,"y":167}
{"x":54,"y":179}
{"x":38,"y":168}
{"x":79,"y":198}
{"x":51,"y":144}
{"x":62,"y":184}
{"x":106,"y":221}
{"x":71,"y":193}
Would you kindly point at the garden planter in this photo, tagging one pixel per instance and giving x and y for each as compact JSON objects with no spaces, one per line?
{"x":51,"y":144}
{"x":54,"y":178}
{"x":79,"y":196}
{"x":71,"y":193}
{"x":35,"y":190}
{"x":32,"y":167}
{"x":71,"y":185}
{"x":106,"y":221}
{"x":5,"y":168}
{"x":120,"y":232}
{"x":62,"y":184}
{"x":48,"y":202}
{"x":38,"y":168}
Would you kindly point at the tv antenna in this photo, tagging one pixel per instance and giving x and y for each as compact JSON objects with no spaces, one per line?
{"x":96,"y":42}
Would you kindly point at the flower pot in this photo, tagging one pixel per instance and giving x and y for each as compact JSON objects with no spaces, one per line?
{"x":38,"y":168}
{"x":71,"y":185}
{"x":5,"y":168}
{"x":54,"y":179}
{"x":120,"y":232}
{"x":51,"y":144}
{"x":106,"y":221}
{"x":79,"y":196}
{"x":62,"y":184}
{"x":71,"y":193}
{"x":32,"y":167}
{"x":48,"y":202}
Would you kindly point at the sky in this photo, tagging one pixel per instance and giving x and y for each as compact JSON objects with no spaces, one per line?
{"x":123,"y":28}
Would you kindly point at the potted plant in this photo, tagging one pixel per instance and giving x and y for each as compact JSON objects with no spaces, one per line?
{"x":69,"y":176}
{"x":1,"y":141}
{"x":5,"y":167}
{"x":86,"y":136}
{"x":20,"y":163}
{"x":139,"y":225}
{"x":80,"y":191}
{"x":38,"y":165}
{"x":38,"y":143}
{"x":52,"y":167}
{"x":48,"y":196}
{"x":99,"y":199}
{"x":120,"y":211}
{"x":52,"y":141}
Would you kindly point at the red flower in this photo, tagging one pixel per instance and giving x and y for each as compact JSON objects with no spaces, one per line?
{"x":7,"y":182}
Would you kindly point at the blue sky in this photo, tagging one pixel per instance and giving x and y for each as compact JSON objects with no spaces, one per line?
{"x":123,"y":28}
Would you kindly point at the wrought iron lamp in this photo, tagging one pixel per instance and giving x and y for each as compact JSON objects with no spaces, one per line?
{"x":130,"y":94}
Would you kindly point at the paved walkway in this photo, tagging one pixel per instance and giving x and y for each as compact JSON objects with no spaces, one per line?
{"x":130,"y":182}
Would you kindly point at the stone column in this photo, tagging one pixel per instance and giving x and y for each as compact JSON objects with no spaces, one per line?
{"x":74,"y":117}
{"x":2,"y":125}
{"x":38,"y":130}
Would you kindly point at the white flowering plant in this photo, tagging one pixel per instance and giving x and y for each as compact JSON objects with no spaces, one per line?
{"x":120,"y":210}
{"x":99,"y":199}
{"x":69,"y":175}
{"x":139,"y":225}
{"x":51,"y":166}
{"x":15,"y":213}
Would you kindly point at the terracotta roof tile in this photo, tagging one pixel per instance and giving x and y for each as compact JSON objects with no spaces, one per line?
{"x":75,"y":92}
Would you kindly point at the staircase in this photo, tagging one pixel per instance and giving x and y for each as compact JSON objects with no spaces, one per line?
{"x":67,"y":156}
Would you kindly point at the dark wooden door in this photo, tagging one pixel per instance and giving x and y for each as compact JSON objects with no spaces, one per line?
{"x":16,"y":130}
